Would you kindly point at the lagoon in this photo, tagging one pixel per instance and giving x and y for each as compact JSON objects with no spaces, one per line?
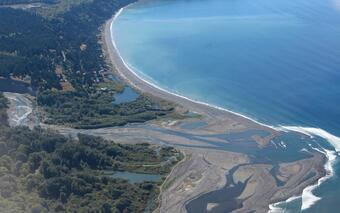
{"x":137,"y":177}
{"x":128,"y":95}
{"x":277,"y":62}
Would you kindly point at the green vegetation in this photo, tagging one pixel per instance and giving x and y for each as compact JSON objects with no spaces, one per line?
{"x":36,"y":45}
{"x":27,"y":48}
{"x":43,"y":171}
{"x":117,"y":87}
{"x":3,"y":110}
{"x":96,"y":110}
{"x":54,"y":10}
{"x":55,"y":48}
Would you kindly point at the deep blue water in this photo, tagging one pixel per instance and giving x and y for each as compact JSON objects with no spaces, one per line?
{"x":277,"y":61}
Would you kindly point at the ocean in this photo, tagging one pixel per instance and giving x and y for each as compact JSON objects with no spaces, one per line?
{"x":275,"y":61}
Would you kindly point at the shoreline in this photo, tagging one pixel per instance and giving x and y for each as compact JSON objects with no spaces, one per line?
{"x":127,"y":74}
{"x":133,"y":79}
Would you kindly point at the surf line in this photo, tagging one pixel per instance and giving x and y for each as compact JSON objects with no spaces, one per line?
{"x":308,"y":198}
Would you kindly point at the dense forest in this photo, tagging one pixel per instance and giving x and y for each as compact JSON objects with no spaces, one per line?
{"x":96,"y":110}
{"x":27,"y":47}
{"x":43,"y":171}
{"x":3,"y":110}
{"x":35,"y":45}
{"x":56,"y":49}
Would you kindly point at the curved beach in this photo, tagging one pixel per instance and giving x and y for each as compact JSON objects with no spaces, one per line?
{"x":142,"y":85}
{"x":220,"y":118}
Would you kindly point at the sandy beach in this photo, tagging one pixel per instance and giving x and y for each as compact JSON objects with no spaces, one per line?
{"x":235,"y":103}
{"x":210,"y":166}
{"x":204,"y":169}
{"x":129,"y":76}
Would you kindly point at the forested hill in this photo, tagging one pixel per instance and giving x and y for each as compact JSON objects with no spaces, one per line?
{"x":43,"y":171}
{"x":3,"y":111}
{"x":48,"y":46}
{"x":28,"y":47}
{"x":56,"y":49}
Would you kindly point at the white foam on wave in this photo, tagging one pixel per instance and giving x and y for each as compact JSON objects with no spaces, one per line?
{"x":274,"y":208}
{"x":308,"y":198}
{"x":143,"y":77}
{"x":311,"y":131}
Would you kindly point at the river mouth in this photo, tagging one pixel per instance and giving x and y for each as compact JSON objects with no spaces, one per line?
{"x":277,"y":62}
{"x":222,"y":200}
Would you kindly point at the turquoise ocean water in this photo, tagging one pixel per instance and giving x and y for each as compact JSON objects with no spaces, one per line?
{"x":276,"y":61}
